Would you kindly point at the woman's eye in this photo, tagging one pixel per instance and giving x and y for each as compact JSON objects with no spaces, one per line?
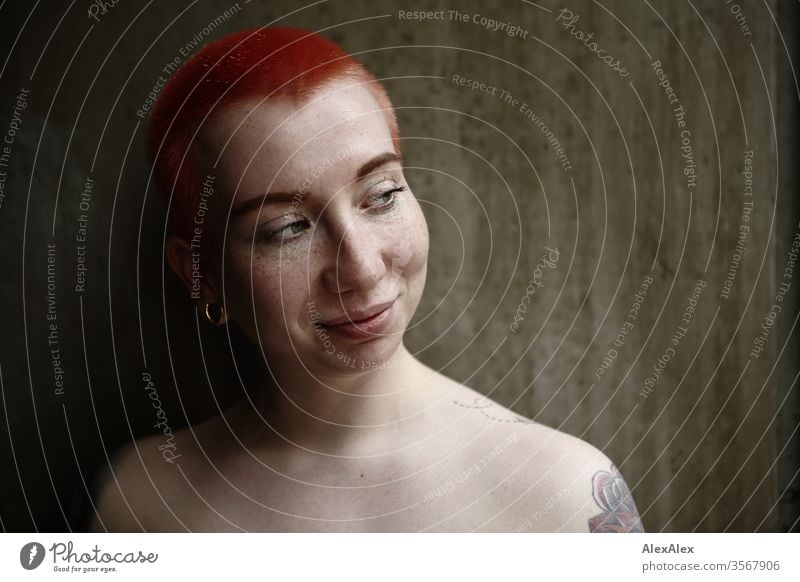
{"x":386,"y":199}
{"x":287,"y":232}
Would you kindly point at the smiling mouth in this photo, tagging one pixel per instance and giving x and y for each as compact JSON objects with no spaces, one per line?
{"x":360,"y":316}
{"x":364,"y":325}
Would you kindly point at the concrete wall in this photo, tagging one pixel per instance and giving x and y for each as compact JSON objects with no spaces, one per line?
{"x":702,"y":426}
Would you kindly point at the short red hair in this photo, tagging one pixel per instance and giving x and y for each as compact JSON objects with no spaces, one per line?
{"x":267,"y":62}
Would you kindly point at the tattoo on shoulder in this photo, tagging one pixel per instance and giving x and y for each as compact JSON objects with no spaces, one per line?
{"x":619,"y":514}
{"x":489,"y":409}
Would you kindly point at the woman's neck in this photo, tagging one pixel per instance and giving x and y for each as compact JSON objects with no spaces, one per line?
{"x":353,"y":414}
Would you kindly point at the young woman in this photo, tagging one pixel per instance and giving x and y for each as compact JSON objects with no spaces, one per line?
{"x":279,"y":159}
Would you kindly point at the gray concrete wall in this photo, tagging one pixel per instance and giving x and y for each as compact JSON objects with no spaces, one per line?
{"x":708,"y":443}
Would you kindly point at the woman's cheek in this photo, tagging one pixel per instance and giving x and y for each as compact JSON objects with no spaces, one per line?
{"x":419,"y":240}
{"x":250,"y":282}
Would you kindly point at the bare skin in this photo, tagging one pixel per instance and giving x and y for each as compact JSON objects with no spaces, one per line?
{"x":359,"y":435}
{"x":459,"y":468}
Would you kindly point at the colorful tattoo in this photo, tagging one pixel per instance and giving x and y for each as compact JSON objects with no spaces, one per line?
{"x":619,"y":511}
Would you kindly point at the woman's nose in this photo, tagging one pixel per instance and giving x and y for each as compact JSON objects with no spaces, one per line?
{"x":356,"y":260}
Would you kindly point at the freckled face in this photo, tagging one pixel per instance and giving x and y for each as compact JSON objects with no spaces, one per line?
{"x":322,"y":227}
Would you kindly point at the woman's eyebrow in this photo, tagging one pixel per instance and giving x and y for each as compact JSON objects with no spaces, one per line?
{"x":377,"y":162}
{"x":271,"y":198}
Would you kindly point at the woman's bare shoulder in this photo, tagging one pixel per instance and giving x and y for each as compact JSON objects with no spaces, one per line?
{"x":551,"y":480}
{"x":581,"y":490}
{"x":143,"y":485}
{"x":584,"y":491}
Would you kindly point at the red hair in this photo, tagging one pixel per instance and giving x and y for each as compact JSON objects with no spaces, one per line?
{"x":267,"y":62}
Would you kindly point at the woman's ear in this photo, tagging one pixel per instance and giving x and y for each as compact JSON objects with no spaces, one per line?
{"x":185,"y":261}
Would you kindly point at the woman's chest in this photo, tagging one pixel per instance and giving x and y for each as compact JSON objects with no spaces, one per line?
{"x":355,"y":497}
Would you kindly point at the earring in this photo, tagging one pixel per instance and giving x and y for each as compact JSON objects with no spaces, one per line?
{"x":214,"y":313}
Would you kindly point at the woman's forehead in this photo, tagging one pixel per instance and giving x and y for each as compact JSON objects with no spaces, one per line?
{"x":283,"y":123}
{"x":339,"y":127}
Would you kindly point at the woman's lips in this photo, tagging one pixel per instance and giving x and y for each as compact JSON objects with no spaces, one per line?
{"x":378,"y":319}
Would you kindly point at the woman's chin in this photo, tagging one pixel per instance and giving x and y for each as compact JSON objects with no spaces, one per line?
{"x":373,"y":354}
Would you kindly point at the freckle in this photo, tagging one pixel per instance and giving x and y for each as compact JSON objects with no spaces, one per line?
{"x":362,"y":474}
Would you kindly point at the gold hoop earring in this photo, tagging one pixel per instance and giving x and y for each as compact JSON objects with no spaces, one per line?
{"x":214,"y":313}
